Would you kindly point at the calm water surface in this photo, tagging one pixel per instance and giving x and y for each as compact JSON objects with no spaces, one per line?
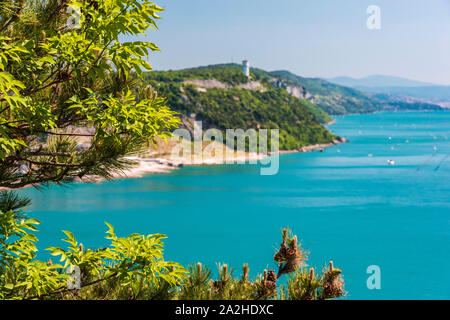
{"x":344,"y":205}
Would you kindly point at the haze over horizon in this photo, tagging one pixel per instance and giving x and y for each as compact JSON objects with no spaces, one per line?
{"x":323,"y":39}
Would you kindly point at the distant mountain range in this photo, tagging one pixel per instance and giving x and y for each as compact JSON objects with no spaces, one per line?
{"x":399,"y":89}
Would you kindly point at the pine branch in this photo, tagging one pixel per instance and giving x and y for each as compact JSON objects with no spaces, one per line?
{"x":69,"y":134}
{"x":48,"y":163}
{"x":64,"y":289}
{"x":13,"y":18}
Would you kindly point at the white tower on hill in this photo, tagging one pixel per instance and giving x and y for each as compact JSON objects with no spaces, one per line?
{"x":246,"y":67}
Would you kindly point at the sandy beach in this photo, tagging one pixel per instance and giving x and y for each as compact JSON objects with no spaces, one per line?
{"x":168,"y":164}
{"x":157,"y":162}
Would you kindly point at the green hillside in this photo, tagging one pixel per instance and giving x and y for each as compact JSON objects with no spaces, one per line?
{"x":320,"y":115}
{"x":226,"y":105}
{"x":229,"y":74}
{"x":332,"y":98}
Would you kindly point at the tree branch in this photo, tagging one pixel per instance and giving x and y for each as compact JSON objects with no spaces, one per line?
{"x":12,"y":19}
{"x":69,"y":134}
{"x":49,"y":163}
{"x":48,"y":154}
{"x":64,"y":289}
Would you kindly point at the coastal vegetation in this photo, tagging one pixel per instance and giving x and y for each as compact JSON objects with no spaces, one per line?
{"x":134,"y":268}
{"x":58,"y":74}
{"x":228,"y":74}
{"x":225,"y":103}
{"x":198,"y":91}
{"x":332,"y":98}
{"x":61,"y":71}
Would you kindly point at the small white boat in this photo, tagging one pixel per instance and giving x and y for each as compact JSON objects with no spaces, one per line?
{"x":391,"y":162}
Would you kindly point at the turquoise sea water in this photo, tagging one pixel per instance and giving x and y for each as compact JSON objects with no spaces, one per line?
{"x":344,"y":205}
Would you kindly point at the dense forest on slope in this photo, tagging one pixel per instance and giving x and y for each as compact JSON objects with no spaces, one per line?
{"x":230,"y":75}
{"x":227,"y":104}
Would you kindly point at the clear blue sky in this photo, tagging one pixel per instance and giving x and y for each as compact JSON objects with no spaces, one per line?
{"x":314,"y":38}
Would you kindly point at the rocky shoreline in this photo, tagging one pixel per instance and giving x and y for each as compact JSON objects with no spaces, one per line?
{"x":315,"y":147}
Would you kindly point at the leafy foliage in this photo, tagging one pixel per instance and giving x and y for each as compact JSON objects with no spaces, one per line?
{"x":58,"y":74}
{"x":133,"y":267}
{"x":11,"y":201}
{"x":128,"y":267}
{"x":21,"y":274}
{"x":302,"y":284}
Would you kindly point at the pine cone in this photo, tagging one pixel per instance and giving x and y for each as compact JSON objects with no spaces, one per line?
{"x":333,"y":286}
{"x":280,"y":256}
{"x":270,"y":286}
{"x":307,"y":296}
{"x":272,"y":276}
